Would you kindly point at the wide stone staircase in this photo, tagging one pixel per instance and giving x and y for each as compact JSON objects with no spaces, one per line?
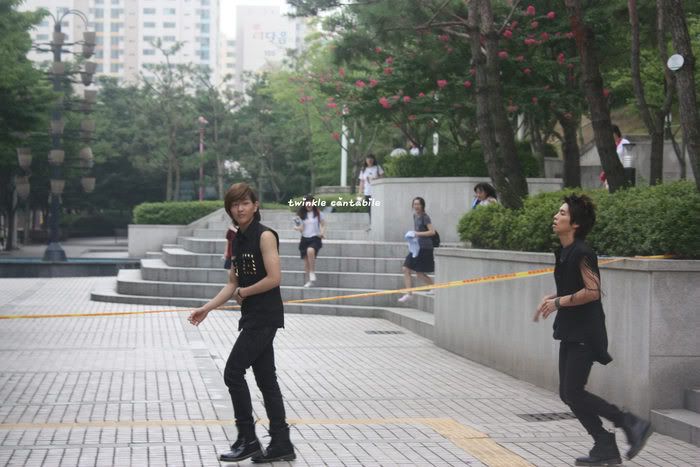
{"x":683,"y":424}
{"x":190,"y":272}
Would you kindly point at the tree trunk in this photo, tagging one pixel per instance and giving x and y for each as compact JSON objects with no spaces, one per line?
{"x":597,"y":104}
{"x":680,"y":153}
{"x":505,"y":136}
{"x":169,"y":181}
{"x":487,"y":136}
{"x":685,"y":84}
{"x":537,"y":145}
{"x":571,"y":151}
{"x":176,"y":196}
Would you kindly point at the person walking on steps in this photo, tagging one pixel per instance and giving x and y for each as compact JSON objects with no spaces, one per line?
{"x":424,"y":262}
{"x":312,"y":225}
{"x":580,"y":326}
{"x":253,"y":282}
{"x":370,"y":171}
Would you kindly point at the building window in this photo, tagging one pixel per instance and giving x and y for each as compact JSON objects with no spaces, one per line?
{"x":204,"y":2}
{"x":204,"y":54}
{"x":44,"y":24}
{"x":99,"y":68}
{"x":42,"y":37}
{"x":116,"y":12}
{"x":116,"y":40}
{"x":168,"y":38}
{"x":149,"y":11}
{"x":168,"y":25}
{"x":149,"y":24}
{"x":230,"y":54}
{"x":169,"y":11}
{"x":230,"y":65}
{"x":99,"y":27}
{"x":99,"y":13}
{"x":115,"y":2}
{"x":203,"y":14}
{"x":149,"y":38}
{"x":115,"y":27}
{"x":149,"y":51}
{"x":99,"y":2}
{"x":99,"y":40}
{"x":116,"y":67}
{"x":99,"y":54}
{"x":116,"y":53}
{"x":204,"y":28}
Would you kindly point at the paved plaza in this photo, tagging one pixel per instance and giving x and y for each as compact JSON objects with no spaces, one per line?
{"x":147,"y":389}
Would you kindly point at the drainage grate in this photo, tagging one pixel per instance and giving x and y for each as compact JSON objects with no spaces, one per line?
{"x":546,"y":417}
{"x":384,"y":332}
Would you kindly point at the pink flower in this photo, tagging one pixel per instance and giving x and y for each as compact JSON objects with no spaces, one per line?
{"x":534,"y":100}
{"x":467,"y":84}
{"x":551,"y":15}
{"x":534,"y":24}
{"x":341,"y":72}
{"x":378,"y":49}
{"x":449,"y":49}
{"x":444,"y":37}
{"x":335,"y":135}
{"x":527,"y":71}
{"x":411,"y":118}
{"x":529,"y":41}
{"x":407,"y":99}
{"x":530,"y":11}
{"x":569,"y":35}
{"x":389,"y":60}
{"x":302,"y":100}
{"x":421,"y":94}
{"x":567,"y":115}
{"x":373,"y":83}
{"x":384,"y":102}
{"x":514,"y":25}
{"x":606,"y":92}
{"x":545,"y":36}
{"x":332,"y":105}
{"x":441,"y":83}
{"x":503,"y":54}
{"x":388,"y":70}
{"x":507,"y":33}
{"x":561,"y":58}
{"x":519,"y":58}
{"x":360,"y":84}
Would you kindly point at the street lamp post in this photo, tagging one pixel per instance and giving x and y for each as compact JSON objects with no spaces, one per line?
{"x":202,"y":123}
{"x":58,"y":75}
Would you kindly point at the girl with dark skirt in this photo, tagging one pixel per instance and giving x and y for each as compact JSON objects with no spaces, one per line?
{"x":580,"y":326}
{"x":311,"y":224}
{"x":424,"y":262}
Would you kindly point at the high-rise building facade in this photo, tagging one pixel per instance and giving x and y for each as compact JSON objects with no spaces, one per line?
{"x":128,"y":29}
{"x":263,"y":36}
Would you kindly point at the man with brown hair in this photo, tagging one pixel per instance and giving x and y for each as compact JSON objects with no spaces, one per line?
{"x":253,"y":282}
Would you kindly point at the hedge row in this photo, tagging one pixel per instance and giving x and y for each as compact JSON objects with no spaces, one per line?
{"x":663,"y":219}
{"x":181,"y":212}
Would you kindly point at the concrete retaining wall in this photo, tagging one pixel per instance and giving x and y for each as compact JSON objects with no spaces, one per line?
{"x":447,"y":200}
{"x":151,"y":237}
{"x":652,"y":315}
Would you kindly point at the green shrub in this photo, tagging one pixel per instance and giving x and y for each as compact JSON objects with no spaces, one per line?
{"x":455,"y":164}
{"x":97,"y":224}
{"x":663,"y":219}
{"x":182,"y":212}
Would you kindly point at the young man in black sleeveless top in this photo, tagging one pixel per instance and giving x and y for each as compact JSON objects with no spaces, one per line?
{"x":253,"y":282}
{"x":580,"y":326}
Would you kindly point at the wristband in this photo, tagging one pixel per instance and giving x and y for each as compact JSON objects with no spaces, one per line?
{"x":556,"y":303}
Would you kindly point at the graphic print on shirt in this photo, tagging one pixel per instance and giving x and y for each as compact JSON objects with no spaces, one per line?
{"x":248,"y":266}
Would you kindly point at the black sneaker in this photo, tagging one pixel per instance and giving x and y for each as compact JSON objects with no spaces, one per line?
{"x":638,"y":431}
{"x":242,"y":449}
{"x":276,"y":452}
{"x":604,"y":452}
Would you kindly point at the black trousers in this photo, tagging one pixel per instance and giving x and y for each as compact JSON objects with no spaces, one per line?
{"x":368,"y":198}
{"x":575,"y":362}
{"x":254,"y":348}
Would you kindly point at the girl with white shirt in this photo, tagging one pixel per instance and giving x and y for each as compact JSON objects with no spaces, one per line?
{"x":370,"y":171}
{"x":311,"y":224}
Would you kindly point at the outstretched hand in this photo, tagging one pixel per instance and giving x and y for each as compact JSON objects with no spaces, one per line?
{"x":545,"y":308}
{"x":197,"y":316}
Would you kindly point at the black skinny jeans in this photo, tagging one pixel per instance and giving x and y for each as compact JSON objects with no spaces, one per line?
{"x":254,"y":348}
{"x":575,"y":362}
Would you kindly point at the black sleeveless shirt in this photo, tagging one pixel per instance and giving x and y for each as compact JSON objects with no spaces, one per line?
{"x":581,"y":323}
{"x":260,"y":310}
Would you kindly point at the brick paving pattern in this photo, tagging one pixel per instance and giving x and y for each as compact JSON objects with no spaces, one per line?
{"x":147,"y":390}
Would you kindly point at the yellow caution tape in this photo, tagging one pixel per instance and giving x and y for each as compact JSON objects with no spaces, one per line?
{"x":442,"y":285}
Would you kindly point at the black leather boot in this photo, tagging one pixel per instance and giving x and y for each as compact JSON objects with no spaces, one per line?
{"x":604,"y":452}
{"x":637,"y":431}
{"x":280,"y":448}
{"x":246,"y":445}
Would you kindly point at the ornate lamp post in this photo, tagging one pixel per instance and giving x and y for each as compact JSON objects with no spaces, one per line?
{"x":59,"y":76}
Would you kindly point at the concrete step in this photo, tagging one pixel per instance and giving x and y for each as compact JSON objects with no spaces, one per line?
{"x":692,"y":399}
{"x":335,"y":234}
{"x":416,"y":321}
{"x":679,"y":423}
{"x":179,"y":257}
{"x":157,"y":270}
{"x":131,"y":282}
{"x":154,"y":254}
{"x":349,"y":248}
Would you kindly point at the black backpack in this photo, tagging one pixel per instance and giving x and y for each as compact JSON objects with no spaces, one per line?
{"x":436,"y":239}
